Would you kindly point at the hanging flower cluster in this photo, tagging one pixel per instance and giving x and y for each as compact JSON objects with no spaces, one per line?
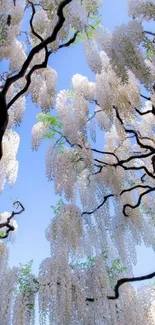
{"x":101,"y":159}
{"x":9,"y":163}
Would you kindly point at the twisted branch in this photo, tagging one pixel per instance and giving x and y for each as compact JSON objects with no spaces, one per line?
{"x":39,"y":47}
{"x":7,"y":224}
{"x":99,"y":206}
{"x":126,"y":280}
{"x":13,"y":78}
{"x":151,"y":189}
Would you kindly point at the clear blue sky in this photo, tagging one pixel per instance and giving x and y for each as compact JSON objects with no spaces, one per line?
{"x":32,"y":187}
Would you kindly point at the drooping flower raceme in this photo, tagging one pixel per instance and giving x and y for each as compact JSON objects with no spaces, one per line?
{"x":144,"y":9}
{"x":100,"y":159}
{"x":8,"y":163}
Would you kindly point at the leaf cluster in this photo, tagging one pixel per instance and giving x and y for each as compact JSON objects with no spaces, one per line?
{"x":56,"y":209}
{"x":149,"y":47}
{"x":25,"y":280}
{"x":54,"y":129}
{"x":115,"y":271}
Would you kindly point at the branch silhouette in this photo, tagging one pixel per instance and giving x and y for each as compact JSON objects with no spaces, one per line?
{"x":7,"y":224}
{"x":126,"y":280}
{"x":36,"y":49}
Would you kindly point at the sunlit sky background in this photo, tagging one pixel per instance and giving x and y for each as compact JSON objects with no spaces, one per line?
{"x":32,"y":187}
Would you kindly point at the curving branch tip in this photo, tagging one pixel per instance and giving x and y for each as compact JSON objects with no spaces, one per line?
{"x":17,"y":204}
{"x":127,"y":280}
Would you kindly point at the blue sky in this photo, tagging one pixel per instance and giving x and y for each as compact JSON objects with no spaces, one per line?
{"x":32,"y":187}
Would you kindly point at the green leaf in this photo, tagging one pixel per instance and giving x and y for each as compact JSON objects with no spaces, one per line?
{"x":150,"y":48}
{"x":2,"y":233}
{"x":53,"y":124}
{"x":25,"y":279}
{"x":104,"y":255}
{"x":30,"y":306}
{"x":49,"y":119}
{"x":115,"y":270}
{"x":56,"y":209}
{"x":49,"y":135}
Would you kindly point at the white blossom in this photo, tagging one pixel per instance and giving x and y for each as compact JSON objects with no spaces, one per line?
{"x":141,"y":8}
{"x":17,"y":56}
{"x":100,"y":159}
{"x":84,"y":87}
{"x":38,"y":131}
{"x":9,"y":164}
{"x":92,"y":56}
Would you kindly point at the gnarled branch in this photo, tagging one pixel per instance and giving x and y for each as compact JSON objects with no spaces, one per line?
{"x":126,"y":280}
{"x":7,"y":224}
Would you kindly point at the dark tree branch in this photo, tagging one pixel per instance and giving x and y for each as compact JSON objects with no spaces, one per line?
{"x":118,"y":116}
{"x":90,"y":299}
{"x":116,"y":288}
{"x":151,"y":189}
{"x":119,"y":162}
{"x":135,"y":187}
{"x":153,"y":163}
{"x":28,"y":79}
{"x":105,"y":153}
{"x":143,"y":178}
{"x":147,"y":98}
{"x":71,"y":144}
{"x":144,"y":113}
{"x":90,"y":118}
{"x":137,"y":168}
{"x":69,"y":42}
{"x":38,"y":67}
{"x":35,"y":67}
{"x":13,"y":78}
{"x":99,"y":206}
{"x":143,"y":155}
{"x":31,"y":23}
{"x":149,"y":33}
{"x":5,"y":75}
{"x":3,"y":120}
{"x":38,"y":47}
{"x":142,"y":145}
{"x":7,"y":223}
{"x":126,"y":280}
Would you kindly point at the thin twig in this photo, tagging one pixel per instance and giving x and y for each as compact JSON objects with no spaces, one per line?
{"x":7,"y":223}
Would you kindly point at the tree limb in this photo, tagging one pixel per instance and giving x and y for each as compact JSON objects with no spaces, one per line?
{"x":151,"y":189}
{"x":126,"y":280}
{"x":99,"y":206}
{"x":7,"y":223}
{"x":38,"y":47}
